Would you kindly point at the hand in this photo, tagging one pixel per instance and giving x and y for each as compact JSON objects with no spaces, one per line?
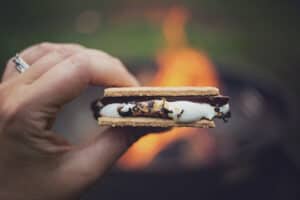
{"x":35,"y":162}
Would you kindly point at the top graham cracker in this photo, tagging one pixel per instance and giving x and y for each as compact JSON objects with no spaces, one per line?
{"x":161,"y":91}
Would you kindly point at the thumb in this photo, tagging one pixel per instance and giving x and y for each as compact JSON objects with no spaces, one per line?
{"x":84,"y":165}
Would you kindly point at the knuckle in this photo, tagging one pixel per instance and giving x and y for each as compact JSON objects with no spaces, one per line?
{"x":9,"y":62}
{"x":118,"y":61}
{"x":68,"y":50}
{"x":98,"y":53}
{"x":74,"y":46}
{"x":46,"y":46}
{"x":11,"y":107}
{"x":60,"y":52}
{"x":80,"y":59}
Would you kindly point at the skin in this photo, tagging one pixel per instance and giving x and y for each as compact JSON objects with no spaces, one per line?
{"x":35,"y":162}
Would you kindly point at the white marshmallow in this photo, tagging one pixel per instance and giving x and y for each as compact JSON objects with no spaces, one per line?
{"x":182,"y":111}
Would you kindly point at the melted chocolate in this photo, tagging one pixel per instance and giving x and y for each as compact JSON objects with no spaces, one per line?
{"x":96,"y":106}
{"x":145,"y":109}
{"x":212,"y":100}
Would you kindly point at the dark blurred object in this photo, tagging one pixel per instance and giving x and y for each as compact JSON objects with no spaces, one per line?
{"x":275,"y":178}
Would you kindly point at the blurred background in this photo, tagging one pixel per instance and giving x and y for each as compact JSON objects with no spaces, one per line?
{"x":249,"y":49}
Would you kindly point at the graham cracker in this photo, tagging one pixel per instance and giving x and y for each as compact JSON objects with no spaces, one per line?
{"x":161,"y":91}
{"x":151,"y":122}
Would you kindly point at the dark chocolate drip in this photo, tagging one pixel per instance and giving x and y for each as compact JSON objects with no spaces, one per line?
{"x":212,"y":100}
{"x":96,"y":106}
{"x":226,"y":116}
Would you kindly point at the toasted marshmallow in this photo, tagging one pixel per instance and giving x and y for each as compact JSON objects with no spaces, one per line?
{"x":179,"y":111}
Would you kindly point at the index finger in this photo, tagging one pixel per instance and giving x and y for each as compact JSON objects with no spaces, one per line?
{"x":32,"y":54}
{"x":68,"y":79}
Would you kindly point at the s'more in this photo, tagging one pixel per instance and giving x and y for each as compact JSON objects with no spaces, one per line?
{"x":161,"y":107}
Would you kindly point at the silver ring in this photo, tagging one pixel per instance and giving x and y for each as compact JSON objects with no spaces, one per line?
{"x":21,"y":65}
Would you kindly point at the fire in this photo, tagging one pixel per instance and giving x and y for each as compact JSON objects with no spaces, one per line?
{"x":179,"y":65}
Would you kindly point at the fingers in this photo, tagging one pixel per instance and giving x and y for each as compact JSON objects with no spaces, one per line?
{"x":32,"y":54}
{"x":49,"y":60}
{"x":67,"y":79}
{"x":101,"y":152}
{"x":96,"y":157}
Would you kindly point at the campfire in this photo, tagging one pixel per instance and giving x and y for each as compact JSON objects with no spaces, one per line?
{"x":228,"y":161}
{"x":178,"y":65}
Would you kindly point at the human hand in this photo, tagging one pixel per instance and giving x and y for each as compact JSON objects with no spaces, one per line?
{"x":35,"y":162}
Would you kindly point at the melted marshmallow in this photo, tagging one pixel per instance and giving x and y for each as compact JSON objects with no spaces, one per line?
{"x":182,"y":111}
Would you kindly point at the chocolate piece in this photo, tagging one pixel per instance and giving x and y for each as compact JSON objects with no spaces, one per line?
{"x":212,"y":100}
{"x":145,"y":109}
{"x":124,"y":113}
{"x":96,"y":106}
{"x":179,"y":115}
{"x":226,"y":116}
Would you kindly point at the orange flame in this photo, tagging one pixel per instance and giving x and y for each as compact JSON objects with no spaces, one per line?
{"x":179,"y":65}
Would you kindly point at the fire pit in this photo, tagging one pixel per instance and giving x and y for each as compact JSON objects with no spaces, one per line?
{"x":229,"y":160}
